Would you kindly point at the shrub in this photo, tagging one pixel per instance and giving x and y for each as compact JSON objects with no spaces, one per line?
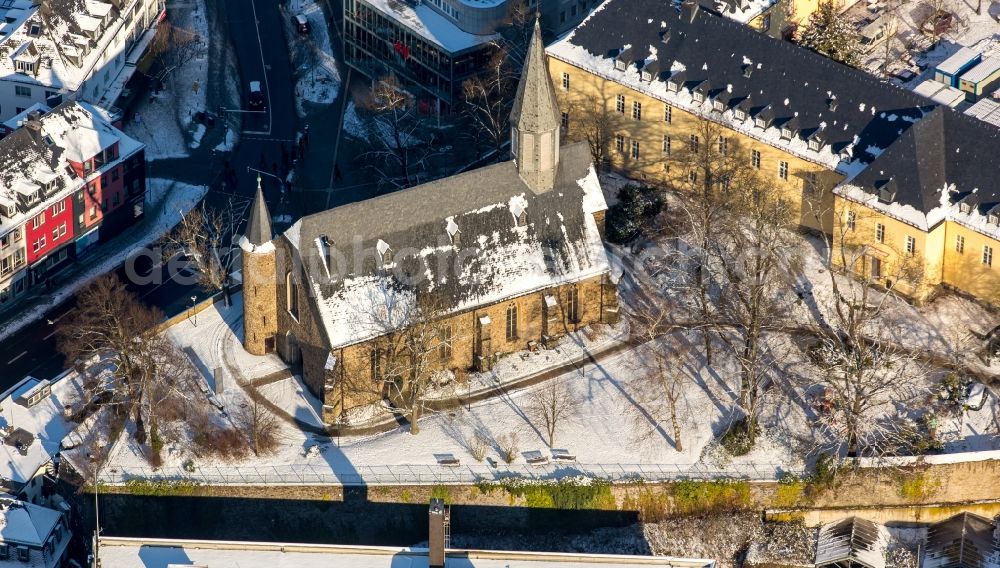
{"x":692,"y":497}
{"x":188,"y":465}
{"x":636,"y":206}
{"x":825,"y":472}
{"x":226,"y":443}
{"x":652,"y":506}
{"x":566,"y":493}
{"x":508,"y":446}
{"x":155,"y":445}
{"x":789,"y":492}
{"x":480,"y":445}
{"x":740,"y":437}
{"x":441,"y":492}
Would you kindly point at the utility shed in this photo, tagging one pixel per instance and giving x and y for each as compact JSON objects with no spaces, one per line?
{"x":940,"y":93}
{"x":982,"y":79}
{"x":963,"y":541}
{"x":851,"y":543}
{"x":950,"y":69}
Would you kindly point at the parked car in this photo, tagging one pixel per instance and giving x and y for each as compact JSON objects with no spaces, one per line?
{"x":876,"y":33}
{"x":301,"y":23}
{"x":256,"y":97}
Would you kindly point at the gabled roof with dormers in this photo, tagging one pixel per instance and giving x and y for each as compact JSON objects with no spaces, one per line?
{"x":944,"y":168}
{"x":35,"y":159}
{"x":860,"y":115}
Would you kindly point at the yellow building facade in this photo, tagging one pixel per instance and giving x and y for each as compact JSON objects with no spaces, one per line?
{"x":916,"y":254}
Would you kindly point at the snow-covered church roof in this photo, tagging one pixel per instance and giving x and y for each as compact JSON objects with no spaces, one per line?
{"x":470,"y":240}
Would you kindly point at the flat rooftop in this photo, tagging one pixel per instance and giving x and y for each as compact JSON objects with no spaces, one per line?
{"x":158,"y":553}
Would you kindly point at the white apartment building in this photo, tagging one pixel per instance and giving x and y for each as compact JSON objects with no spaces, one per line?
{"x":56,"y":50}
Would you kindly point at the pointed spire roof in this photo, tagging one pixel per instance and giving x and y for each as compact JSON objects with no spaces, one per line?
{"x":259,"y":224}
{"x":535,"y":107}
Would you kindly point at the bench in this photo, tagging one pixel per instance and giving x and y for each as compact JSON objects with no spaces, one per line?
{"x":447,"y":460}
{"x":535,"y":457}
{"x":562,"y":455}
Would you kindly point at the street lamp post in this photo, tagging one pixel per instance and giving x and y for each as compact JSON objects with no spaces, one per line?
{"x":281,"y":182}
{"x":97,"y":513}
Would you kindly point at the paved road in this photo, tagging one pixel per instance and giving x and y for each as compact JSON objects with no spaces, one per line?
{"x":259,"y":45}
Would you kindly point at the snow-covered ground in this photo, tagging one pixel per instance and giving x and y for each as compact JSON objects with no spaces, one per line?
{"x":361,"y":128}
{"x":166,"y":202}
{"x":618,"y":423}
{"x":978,"y":31}
{"x":316,"y":70}
{"x":163,"y":122}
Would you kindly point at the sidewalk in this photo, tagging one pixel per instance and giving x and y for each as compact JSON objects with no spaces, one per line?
{"x":166,"y":200}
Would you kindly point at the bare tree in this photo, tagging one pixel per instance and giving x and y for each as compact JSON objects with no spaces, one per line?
{"x":750,"y":258}
{"x":488,"y":98}
{"x":590,"y":119}
{"x":173,"y":48}
{"x":551,"y":404}
{"x":258,"y":422}
{"x":406,"y":354}
{"x":705,"y":166}
{"x":206,"y":236}
{"x":662,"y":375}
{"x":111,"y":324}
{"x":865,"y":369}
{"x":396,"y":135}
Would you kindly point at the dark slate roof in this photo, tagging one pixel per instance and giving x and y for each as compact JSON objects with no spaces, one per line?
{"x":852,"y":541}
{"x":493,"y":258}
{"x":259,"y":224}
{"x":716,"y":49}
{"x":963,"y":541}
{"x":944,"y":148}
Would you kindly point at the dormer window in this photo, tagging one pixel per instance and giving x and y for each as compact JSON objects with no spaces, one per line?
{"x":646,"y":76}
{"x":887,"y":192}
{"x":740,"y":115}
{"x":786,"y":133}
{"x":675,"y":81}
{"x":814,"y":144}
{"x":993,"y":219}
{"x":619,"y":65}
{"x":698,"y":97}
{"x":964,"y":207}
{"x":453,"y":233}
{"x":384,"y":252}
{"x":759,"y":122}
{"x":519,"y":213}
{"x":718,"y":105}
{"x":25,"y":66}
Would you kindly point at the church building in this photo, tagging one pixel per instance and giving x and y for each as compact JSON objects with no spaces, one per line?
{"x":444,"y":276}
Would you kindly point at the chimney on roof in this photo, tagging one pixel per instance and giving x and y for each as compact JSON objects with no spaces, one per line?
{"x":689,"y":9}
{"x":440,"y":519}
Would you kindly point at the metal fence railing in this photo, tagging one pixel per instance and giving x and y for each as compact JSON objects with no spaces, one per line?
{"x":423,"y":474}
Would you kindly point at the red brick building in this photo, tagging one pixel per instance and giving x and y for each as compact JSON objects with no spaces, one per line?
{"x":69,"y":179}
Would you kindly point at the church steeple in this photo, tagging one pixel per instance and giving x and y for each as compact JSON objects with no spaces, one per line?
{"x":259,"y":224}
{"x":534,"y":120}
